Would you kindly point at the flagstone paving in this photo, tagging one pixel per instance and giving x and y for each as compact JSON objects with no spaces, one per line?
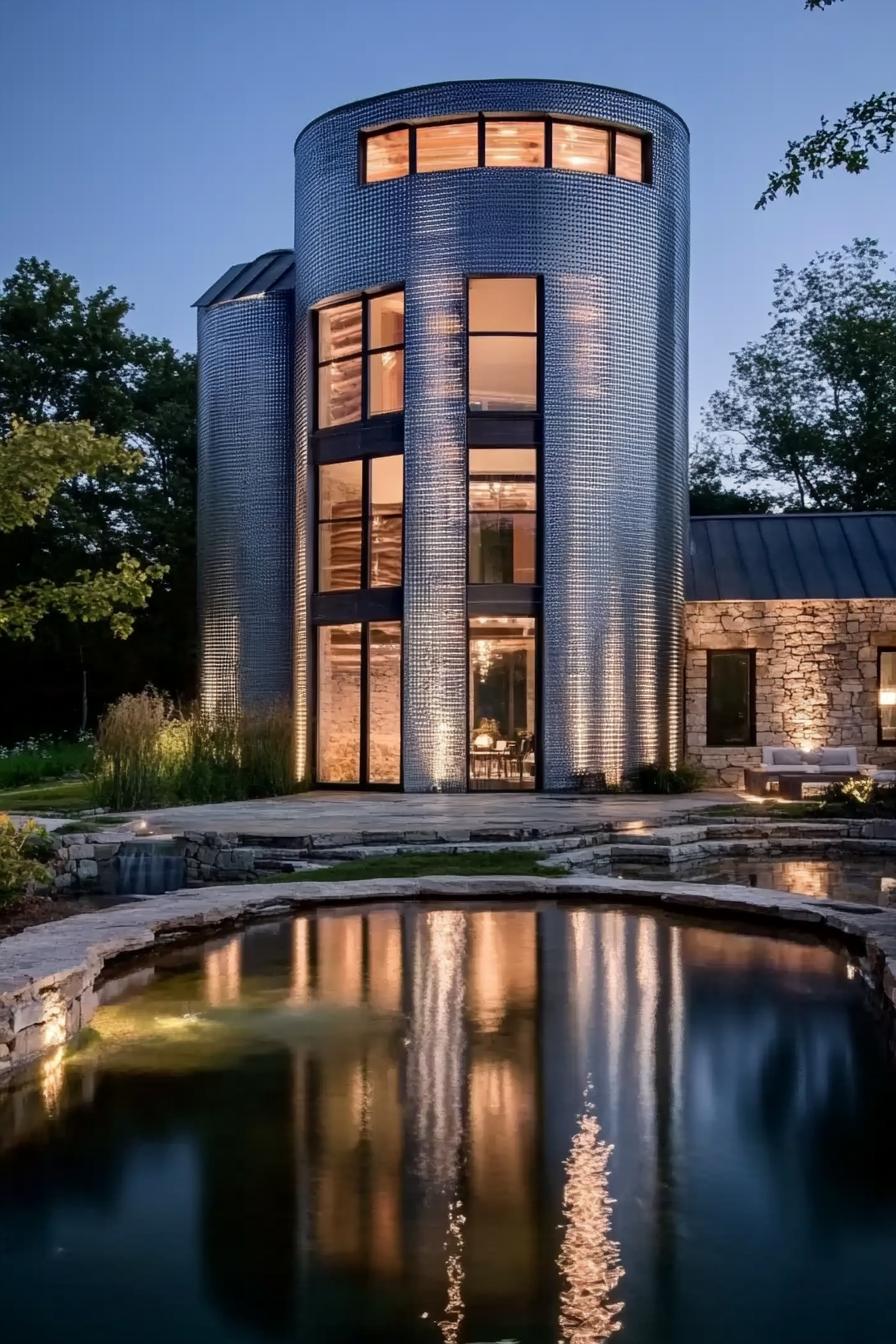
{"x":338,"y":813}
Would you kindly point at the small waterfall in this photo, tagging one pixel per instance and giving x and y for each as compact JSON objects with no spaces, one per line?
{"x":149,"y":867}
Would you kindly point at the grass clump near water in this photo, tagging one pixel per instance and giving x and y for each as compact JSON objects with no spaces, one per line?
{"x":500,"y":864}
{"x":148,"y":754}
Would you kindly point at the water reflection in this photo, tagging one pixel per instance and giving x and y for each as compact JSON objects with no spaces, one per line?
{"x":370,"y":1124}
{"x":589,"y":1258}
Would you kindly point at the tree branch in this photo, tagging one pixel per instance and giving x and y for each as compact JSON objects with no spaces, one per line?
{"x":865,"y":128}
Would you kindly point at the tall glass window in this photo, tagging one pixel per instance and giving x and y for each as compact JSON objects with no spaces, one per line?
{"x":384,"y":703}
{"x":385,"y":520}
{"x":360,"y":357}
{"x":340,"y":525}
{"x":502,"y":702}
{"x":503,"y":343}
{"x":359,"y":703}
{"x":730,"y":697}
{"x":502,"y":521}
{"x":339,"y":704}
{"x":886,"y":695}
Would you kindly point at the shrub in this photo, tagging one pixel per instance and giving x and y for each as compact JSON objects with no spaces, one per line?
{"x":20,"y":850}
{"x":45,"y":757}
{"x":148,"y":754}
{"x":859,"y":797}
{"x":650,"y":777}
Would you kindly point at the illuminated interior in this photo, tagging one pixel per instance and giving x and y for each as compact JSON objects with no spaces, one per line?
{"x":496,"y":141}
{"x":360,"y":359}
{"x":502,"y":523}
{"x":886,"y":695}
{"x":502,"y":702}
{"x":359,"y":703}
{"x":503,"y":343}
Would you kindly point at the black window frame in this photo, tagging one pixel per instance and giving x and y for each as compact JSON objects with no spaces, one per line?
{"x":365,"y":298}
{"x":538,"y":336}
{"x":881,"y":740}
{"x":549,"y":119}
{"x":365,"y":519}
{"x":363,"y":781}
{"x":750,"y":738}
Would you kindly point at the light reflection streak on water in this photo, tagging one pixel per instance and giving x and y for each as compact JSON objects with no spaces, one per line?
{"x":646,"y":954}
{"x":436,"y":1076}
{"x":452,"y":1319}
{"x":223,"y":973}
{"x":588,"y":1262}
{"x":611,"y":932}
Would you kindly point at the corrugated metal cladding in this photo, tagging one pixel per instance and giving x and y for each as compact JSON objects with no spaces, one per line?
{"x":614,"y":257}
{"x":785,"y":556}
{"x":246,"y":544}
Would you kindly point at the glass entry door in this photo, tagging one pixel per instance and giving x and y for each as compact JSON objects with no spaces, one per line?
{"x":502,"y":703}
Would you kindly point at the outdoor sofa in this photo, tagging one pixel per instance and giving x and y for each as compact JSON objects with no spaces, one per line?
{"x":785,"y":770}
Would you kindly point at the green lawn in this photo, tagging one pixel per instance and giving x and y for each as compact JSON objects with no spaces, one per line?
{"x":59,"y":797}
{"x":509,"y":864}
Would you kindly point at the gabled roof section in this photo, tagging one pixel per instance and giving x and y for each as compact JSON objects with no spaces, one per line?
{"x":270,"y":271}
{"x":762,"y":557}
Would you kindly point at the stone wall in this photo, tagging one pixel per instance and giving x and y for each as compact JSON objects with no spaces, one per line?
{"x":816,"y":676}
{"x":82,"y":861}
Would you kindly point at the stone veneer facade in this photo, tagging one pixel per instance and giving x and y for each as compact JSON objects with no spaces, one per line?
{"x":816,"y":675}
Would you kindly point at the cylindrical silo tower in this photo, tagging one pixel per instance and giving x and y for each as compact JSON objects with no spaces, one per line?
{"x":245,"y":487}
{"x":491,"y":289}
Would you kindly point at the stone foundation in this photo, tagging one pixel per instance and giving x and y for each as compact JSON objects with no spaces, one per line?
{"x":816,"y":676}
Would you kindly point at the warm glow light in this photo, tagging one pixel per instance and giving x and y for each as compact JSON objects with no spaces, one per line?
{"x":887,"y":699}
{"x":589,"y":1258}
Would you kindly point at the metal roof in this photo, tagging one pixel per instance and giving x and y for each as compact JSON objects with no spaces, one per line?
{"x":791,"y":555}
{"x":271,"y":270}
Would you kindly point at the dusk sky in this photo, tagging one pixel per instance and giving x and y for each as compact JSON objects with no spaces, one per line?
{"x":148,"y":143}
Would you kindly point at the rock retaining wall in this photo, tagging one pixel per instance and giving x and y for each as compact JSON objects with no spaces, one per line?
{"x":49,"y":974}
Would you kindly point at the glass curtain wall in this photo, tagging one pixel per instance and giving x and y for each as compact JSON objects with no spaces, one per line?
{"x":502,"y":702}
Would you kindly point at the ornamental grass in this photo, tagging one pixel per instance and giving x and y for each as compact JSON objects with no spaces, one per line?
{"x":150,"y":754}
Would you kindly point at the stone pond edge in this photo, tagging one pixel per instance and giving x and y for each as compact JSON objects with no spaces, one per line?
{"x":49,"y":974}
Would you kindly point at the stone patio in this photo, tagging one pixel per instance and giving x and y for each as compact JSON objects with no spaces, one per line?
{"x":351,"y":813}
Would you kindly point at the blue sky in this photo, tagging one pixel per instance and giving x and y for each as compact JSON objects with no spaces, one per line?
{"x":148,"y":143}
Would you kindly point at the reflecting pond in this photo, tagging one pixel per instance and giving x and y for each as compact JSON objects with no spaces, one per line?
{"x":469,"y":1124}
{"x":870,"y":879}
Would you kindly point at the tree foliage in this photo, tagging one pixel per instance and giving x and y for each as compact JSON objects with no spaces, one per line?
{"x":68,"y":357}
{"x":865,"y":128}
{"x":808,"y":419}
{"x":34,"y":461}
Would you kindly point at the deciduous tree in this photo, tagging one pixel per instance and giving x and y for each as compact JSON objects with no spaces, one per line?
{"x":865,"y":128}
{"x":809,"y":416}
